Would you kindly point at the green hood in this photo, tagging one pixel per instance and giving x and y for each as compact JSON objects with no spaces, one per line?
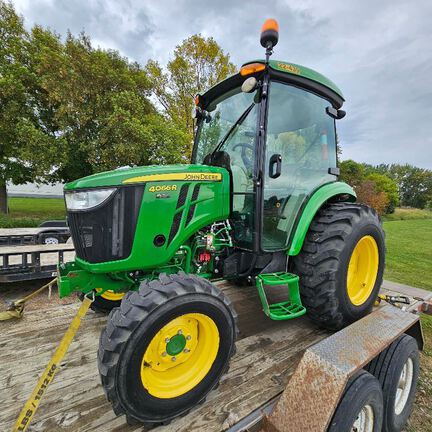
{"x":153,"y":173}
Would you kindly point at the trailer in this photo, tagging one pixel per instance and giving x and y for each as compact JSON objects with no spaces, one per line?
{"x":48,"y":232}
{"x":37,"y":261}
{"x":270,"y":354}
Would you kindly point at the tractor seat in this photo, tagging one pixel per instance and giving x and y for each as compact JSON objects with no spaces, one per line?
{"x":220,"y":159}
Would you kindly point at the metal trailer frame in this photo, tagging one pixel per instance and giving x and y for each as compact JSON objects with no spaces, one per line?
{"x":30,"y":265}
{"x":316,"y":386}
{"x":30,"y":236}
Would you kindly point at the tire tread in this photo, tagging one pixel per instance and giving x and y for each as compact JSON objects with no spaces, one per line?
{"x":134,"y":308}
{"x":319,"y":260}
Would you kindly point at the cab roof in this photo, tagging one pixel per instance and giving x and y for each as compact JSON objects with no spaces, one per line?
{"x":295,"y":74}
{"x":303,"y":71}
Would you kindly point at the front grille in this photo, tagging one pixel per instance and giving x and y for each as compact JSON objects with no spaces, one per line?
{"x":106,"y":232}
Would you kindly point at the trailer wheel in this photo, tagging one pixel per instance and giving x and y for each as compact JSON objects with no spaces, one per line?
{"x":341,"y":264}
{"x":361,"y":406}
{"x":166,"y":348}
{"x":397,"y":369}
{"x":105,"y":302}
{"x":49,"y":239}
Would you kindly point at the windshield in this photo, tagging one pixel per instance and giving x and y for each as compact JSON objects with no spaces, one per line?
{"x":230,"y":128}
{"x":228,"y":135}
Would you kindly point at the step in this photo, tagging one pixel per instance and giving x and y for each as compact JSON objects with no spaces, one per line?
{"x":284,"y":310}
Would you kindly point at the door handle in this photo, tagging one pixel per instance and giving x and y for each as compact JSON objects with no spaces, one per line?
{"x":275,"y":166}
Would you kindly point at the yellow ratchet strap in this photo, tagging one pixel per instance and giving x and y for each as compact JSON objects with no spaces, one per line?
{"x":32,"y":403}
{"x":16,"y":308}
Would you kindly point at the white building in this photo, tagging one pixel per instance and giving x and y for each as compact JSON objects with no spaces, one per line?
{"x":32,"y":189}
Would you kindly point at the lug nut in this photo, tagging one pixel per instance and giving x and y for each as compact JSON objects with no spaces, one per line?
{"x":173,"y":359}
{"x":189,"y":337}
{"x":167,"y":340}
{"x":164,"y":354}
{"x":186,"y":350}
{"x":179,"y":332}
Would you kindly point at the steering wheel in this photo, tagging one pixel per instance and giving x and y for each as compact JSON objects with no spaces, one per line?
{"x":248,"y":163}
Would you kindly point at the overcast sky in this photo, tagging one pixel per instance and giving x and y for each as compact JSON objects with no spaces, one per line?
{"x":378,"y":52}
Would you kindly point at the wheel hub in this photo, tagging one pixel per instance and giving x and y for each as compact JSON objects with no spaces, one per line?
{"x":362,"y":270}
{"x":364,"y":421}
{"x":404,"y":386}
{"x":180,"y":355}
{"x":173,"y":344}
{"x":176,"y":345}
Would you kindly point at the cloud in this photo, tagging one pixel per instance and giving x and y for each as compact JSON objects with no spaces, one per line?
{"x":377,"y":52}
{"x":117,"y":25}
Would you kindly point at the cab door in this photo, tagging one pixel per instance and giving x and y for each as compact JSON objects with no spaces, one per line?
{"x":300,"y":148}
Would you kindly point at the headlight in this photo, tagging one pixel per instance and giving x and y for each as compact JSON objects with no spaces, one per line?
{"x":87,"y":199}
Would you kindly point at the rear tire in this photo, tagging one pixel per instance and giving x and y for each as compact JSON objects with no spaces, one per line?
{"x":397,"y":365}
{"x":153,"y":365}
{"x":360,"y":407}
{"x":335,"y":290}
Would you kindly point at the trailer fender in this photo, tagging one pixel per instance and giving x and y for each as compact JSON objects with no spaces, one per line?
{"x":315,"y":202}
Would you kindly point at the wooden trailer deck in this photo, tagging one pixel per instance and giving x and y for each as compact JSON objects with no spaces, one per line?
{"x":267,"y":353}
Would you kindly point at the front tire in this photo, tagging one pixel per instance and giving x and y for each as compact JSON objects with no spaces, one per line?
{"x":341,"y":264}
{"x":166,"y":348}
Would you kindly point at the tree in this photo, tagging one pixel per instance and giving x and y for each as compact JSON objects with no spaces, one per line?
{"x":198,"y":64}
{"x":385,"y":184}
{"x":368,"y":194}
{"x":99,"y":113}
{"x":69,"y":110}
{"x":414,"y":184}
{"x":351,"y":172}
{"x":14,"y":107}
{"x":376,"y":190}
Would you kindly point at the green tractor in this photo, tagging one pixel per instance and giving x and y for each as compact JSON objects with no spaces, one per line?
{"x":260,"y":202}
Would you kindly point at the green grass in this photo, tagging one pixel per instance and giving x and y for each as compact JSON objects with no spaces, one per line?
{"x":408,"y":213}
{"x":30,"y":212}
{"x":409,"y":252}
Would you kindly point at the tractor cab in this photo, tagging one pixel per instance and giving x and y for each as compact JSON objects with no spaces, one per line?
{"x":272,"y":126}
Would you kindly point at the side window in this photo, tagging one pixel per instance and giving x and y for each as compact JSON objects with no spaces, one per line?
{"x":301,"y":136}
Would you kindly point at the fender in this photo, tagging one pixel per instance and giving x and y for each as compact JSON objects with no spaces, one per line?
{"x":315,"y":202}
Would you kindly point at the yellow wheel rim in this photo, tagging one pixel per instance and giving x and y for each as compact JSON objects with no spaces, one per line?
{"x":180,"y":355}
{"x":111,"y":295}
{"x":362,"y":270}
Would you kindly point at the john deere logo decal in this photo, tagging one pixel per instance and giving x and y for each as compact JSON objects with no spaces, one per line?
{"x":203,"y":177}
{"x":193,"y":176}
{"x":289,"y":68}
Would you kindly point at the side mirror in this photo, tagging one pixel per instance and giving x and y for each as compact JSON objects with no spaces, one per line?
{"x":198,"y":113}
{"x":275,"y":166}
{"x":337,"y":114}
